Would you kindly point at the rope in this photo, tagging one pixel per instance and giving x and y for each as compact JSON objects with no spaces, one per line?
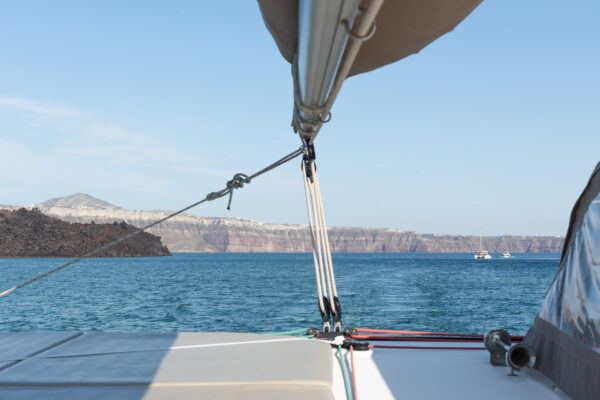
{"x":418,"y":332}
{"x":415,"y":338}
{"x":353,"y":372}
{"x":294,"y":332}
{"x":325,"y":234}
{"x":236,"y":183}
{"x":317,"y":228}
{"x":349,"y":395}
{"x":319,"y":237}
{"x":372,"y":346}
{"x":314,"y":245}
{"x":326,"y":287}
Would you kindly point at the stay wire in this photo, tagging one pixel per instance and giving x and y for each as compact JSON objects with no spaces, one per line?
{"x":236,"y":183}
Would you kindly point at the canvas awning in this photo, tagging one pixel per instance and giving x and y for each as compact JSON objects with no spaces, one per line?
{"x":404,"y":27}
{"x":566,"y":332}
{"x":323,"y":40}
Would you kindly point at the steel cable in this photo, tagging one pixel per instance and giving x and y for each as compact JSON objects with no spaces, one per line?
{"x":236,"y":183}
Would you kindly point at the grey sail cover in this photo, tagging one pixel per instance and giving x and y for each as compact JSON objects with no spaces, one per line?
{"x":404,"y":27}
{"x":566,"y":332}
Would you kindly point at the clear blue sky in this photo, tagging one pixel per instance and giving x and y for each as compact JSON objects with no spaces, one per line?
{"x":150,"y":105}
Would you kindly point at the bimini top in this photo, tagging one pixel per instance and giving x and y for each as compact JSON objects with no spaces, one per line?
{"x":327,"y":41}
{"x":403,"y":27}
{"x":566,"y":332}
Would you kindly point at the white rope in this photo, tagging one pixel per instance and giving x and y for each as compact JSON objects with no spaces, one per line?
{"x":316,"y":241}
{"x":326,"y":235}
{"x":320,"y":241}
{"x":313,"y":241}
{"x":321,"y":233}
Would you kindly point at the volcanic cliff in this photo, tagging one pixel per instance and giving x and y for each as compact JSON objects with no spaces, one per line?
{"x":29,"y":233}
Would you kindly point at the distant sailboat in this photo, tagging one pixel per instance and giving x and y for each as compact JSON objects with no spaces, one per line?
{"x":482,"y":254}
{"x":506,"y":254}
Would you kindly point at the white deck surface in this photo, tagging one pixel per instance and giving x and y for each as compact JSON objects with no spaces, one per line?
{"x":163,"y":366}
{"x":96,"y":365}
{"x":443,"y":374}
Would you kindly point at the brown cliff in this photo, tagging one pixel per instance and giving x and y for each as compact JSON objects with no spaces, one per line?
{"x":29,"y":233}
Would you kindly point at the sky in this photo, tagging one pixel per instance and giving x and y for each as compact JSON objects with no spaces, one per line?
{"x":151,"y":105}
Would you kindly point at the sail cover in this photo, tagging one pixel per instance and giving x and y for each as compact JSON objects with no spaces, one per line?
{"x":566,"y":332}
{"x":404,"y":27}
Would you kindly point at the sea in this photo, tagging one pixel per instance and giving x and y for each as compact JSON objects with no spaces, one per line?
{"x":250,"y":292}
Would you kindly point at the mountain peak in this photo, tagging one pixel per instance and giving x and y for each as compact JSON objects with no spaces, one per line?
{"x":79,"y":200}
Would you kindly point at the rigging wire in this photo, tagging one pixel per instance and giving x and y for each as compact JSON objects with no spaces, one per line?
{"x":237,"y":182}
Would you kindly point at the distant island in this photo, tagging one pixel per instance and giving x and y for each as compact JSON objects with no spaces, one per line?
{"x":190,"y":233}
{"x":30,"y":233}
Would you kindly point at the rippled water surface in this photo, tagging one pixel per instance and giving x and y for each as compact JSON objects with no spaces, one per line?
{"x":272,"y":292}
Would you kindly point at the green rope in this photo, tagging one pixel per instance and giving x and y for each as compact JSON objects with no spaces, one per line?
{"x":349,"y":394}
{"x":294,"y":332}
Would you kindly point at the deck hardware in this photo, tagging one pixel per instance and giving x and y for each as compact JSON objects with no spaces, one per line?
{"x":325,"y":314}
{"x":337,"y":315}
{"x":337,"y":326}
{"x":358,"y":345}
{"x":312,"y":332}
{"x":360,"y":38}
{"x":520,"y":356}
{"x":497,"y":341}
{"x":350,"y":332}
{"x":308,"y":157}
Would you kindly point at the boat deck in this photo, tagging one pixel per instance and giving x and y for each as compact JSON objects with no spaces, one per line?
{"x":443,"y":374}
{"x":98,"y":365}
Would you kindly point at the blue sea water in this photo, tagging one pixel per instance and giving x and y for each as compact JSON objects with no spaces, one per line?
{"x":275,"y":292}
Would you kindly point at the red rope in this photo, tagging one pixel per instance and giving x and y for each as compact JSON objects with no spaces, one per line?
{"x":413,"y":339}
{"x":425,"y":347}
{"x":419,"y":332}
{"x":454,"y":337}
{"x":353,"y":372}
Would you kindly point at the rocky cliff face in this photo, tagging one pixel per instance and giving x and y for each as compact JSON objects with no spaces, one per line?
{"x":189,"y":233}
{"x":29,"y":233}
